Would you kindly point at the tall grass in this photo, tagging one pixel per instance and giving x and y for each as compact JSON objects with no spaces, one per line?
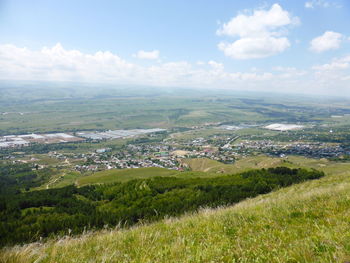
{"x":308,"y":222}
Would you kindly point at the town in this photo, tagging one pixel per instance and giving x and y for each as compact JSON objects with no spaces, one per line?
{"x":168,"y":148}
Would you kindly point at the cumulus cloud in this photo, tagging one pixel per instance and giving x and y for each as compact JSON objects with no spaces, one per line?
{"x":141,"y":54}
{"x":261,"y":34}
{"x":247,"y":48}
{"x":328,"y":41}
{"x":59,"y":64}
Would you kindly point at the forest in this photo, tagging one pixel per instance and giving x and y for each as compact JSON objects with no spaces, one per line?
{"x":15,"y":178}
{"x":28,"y":216}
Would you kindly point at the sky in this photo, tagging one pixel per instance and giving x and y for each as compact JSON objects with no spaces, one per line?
{"x":300,"y":46}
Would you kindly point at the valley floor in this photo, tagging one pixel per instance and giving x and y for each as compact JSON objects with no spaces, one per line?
{"x":308,"y":222}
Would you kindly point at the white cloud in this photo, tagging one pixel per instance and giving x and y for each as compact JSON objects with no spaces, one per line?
{"x":333,"y":76}
{"x":329,"y":40}
{"x":336,"y":64}
{"x":141,"y":54}
{"x":260,"y":23}
{"x":261,"y":34}
{"x":216,"y":66}
{"x":247,"y":48}
{"x":290,"y":72}
{"x":321,"y":3}
{"x":332,"y":66}
{"x":59,"y":64}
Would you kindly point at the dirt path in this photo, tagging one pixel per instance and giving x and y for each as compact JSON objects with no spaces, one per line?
{"x":54,"y":181}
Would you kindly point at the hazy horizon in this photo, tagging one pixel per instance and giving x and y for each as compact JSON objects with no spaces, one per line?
{"x":96,"y":89}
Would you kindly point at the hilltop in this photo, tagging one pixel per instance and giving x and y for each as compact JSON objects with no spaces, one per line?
{"x":306,"y":222}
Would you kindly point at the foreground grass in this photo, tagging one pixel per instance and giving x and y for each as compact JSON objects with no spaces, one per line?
{"x":308,"y":222}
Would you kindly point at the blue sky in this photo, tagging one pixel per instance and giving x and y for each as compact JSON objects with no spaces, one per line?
{"x":177,"y":43}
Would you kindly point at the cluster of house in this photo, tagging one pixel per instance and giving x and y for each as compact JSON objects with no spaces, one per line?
{"x":169,"y":152}
{"x":309,"y":149}
{"x":164,"y":154}
{"x":132,"y":156}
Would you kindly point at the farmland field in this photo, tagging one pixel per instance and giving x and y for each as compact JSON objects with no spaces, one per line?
{"x":76,"y":109}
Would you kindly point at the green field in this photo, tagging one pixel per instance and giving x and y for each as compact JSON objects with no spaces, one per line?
{"x":86,"y":108}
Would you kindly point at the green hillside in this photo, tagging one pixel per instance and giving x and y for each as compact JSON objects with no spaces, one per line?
{"x":116,"y":175}
{"x":263,"y":161}
{"x":208,"y":165}
{"x":307,"y":222}
{"x":200,"y":167}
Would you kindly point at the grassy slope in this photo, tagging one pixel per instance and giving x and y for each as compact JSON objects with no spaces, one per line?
{"x":115,"y":175}
{"x":202,"y":167}
{"x":207,"y":165}
{"x":308,"y":222}
{"x":202,"y":164}
{"x":262,"y":161}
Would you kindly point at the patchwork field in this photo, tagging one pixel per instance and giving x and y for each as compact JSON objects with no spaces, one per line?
{"x":89,"y":108}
